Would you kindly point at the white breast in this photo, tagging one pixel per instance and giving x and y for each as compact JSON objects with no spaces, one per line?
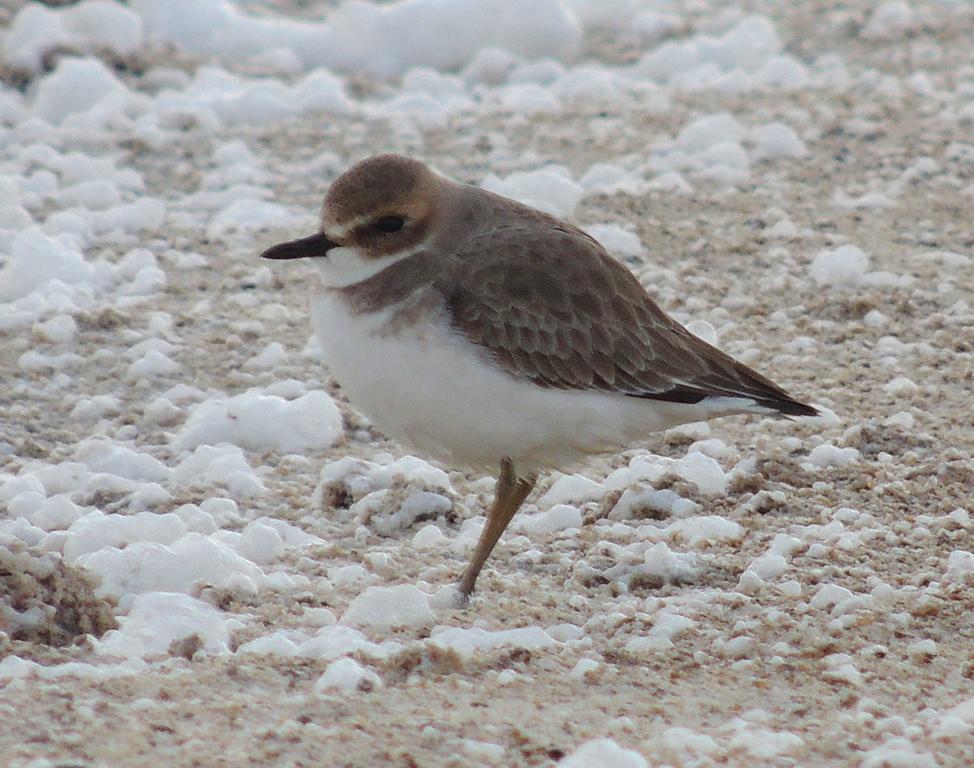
{"x":431,"y":389}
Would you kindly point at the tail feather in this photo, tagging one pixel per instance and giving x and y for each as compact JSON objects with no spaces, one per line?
{"x":777,"y":401}
{"x":789,"y":407}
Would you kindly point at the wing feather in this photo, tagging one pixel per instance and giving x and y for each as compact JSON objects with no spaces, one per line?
{"x":552,"y":307}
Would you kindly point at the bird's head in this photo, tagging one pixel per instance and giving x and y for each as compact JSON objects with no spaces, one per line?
{"x":379,"y":209}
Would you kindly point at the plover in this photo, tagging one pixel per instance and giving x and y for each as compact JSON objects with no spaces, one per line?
{"x":488,"y":334}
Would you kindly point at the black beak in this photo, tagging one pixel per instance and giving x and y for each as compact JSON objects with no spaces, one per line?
{"x":306,"y":247}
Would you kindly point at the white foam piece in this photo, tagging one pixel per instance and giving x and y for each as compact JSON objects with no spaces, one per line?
{"x":36,"y":361}
{"x":888,"y":21}
{"x":774,"y":140}
{"x":260,"y":422}
{"x":583,"y":669}
{"x":148,"y":496}
{"x":902,"y":419}
{"x":101,"y":455}
{"x":560,"y":517}
{"x":353,"y":574}
{"x":215,"y":97}
{"x":412,"y":469}
{"x":900,"y":752}
{"x":901,"y":386}
{"x":279,"y":61}
{"x":271,"y":356}
{"x":260,"y":542}
{"x":429,"y":537}
{"x":94,"y":195}
{"x":829,"y":595}
{"x":19,"y":528}
{"x":761,"y":744}
{"x":60,"y":329}
{"x":768,"y":566}
{"x":247,"y":216}
{"x":25,"y":505}
{"x":617,"y":240}
{"x":588,"y":85}
{"x":223,"y":465}
{"x":709,"y":131}
{"x":89,"y":26}
{"x":64,"y":477}
{"x":652,"y":25}
{"x":963,"y":712}
{"x":725,"y":163}
{"x":960,"y":564}
{"x":713,"y":447}
{"x":97,"y":530}
{"x":922,"y":650}
{"x":697,"y":530}
{"x":571,"y":489}
{"x":417,"y":505}
{"x":332,"y":641}
{"x":549,"y":189}
{"x":828,"y":455}
{"x":151,"y":567}
{"x":610,"y":178}
{"x":14,"y":485}
{"x":665,"y":501}
{"x":37,"y":260}
{"x":79,"y":86}
{"x":14,"y":667}
{"x":864,"y":202}
{"x":605,"y":14}
{"x":666,"y":626}
{"x":384,"y":608}
{"x":466,"y":642}
{"x":709,"y":148}
{"x":157,"y":619}
{"x":383,"y":40}
{"x":603,"y":753}
{"x":361,"y":477}
{"x":687,"y":742}
{"x":195,"y":518}
{"x":152,"y":365}
{"x":319,"y":617}
{"x":146,"y":214}
{"x":275,"y":644}
{"x":424,"y":111}
{"x":74,"y":167}
{"x":340,"y":640}
{"x":53,"y":514}
{"x":346,"y":675}
{"x":139,"y":349}
{"x":705,"y":331}
{"x":845,"y":265}
{"x":659,"y":560}
{"x":744,"y":57}
{"x":703,"y":472}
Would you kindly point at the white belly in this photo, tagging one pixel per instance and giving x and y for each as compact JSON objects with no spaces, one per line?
{"x":432,"y":390}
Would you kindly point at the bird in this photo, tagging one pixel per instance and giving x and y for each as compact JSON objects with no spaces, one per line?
{"x":494,"y":336}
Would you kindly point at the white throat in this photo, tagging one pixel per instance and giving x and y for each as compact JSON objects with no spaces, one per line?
{"x":347,"y":265}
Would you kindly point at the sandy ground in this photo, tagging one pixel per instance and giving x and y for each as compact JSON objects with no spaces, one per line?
{"x":435,"y":708}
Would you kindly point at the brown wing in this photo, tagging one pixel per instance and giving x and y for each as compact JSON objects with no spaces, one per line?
{"x":553,"y":307}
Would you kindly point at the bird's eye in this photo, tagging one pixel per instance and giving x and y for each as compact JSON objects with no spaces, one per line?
{"x":389,"y":224}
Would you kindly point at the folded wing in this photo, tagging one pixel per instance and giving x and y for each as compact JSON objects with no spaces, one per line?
{"x":559,"y":311}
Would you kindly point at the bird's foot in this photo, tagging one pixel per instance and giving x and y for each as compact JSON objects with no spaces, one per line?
{"x":463,"y":597}
{"x":448,"y":597}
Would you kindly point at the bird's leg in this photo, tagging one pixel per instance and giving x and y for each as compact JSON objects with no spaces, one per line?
{"x":509,"y":493}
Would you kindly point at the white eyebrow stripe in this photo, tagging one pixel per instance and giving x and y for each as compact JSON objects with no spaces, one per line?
{"x":340,"y":232}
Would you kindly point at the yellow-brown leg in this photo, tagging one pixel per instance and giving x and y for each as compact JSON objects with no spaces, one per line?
{"x":509,"y":494}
